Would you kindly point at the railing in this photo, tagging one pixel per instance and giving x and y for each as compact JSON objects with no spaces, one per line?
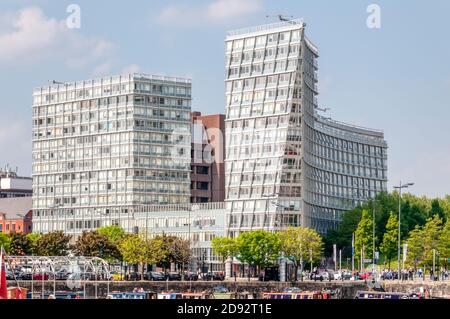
{"x":266,"y":27}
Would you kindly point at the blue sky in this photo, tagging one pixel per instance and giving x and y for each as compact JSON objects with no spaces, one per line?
{"x":396,"y":78}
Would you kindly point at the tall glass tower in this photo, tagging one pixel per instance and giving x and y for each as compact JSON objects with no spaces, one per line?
{"x":105,"y":147}
{"x":286,"y":165}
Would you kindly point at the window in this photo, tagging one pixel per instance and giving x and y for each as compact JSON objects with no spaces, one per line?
{"x":202,"y":185}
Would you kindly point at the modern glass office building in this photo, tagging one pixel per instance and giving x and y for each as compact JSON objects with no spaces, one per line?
{"x":286,"y":165}
{"x":106,"y":146}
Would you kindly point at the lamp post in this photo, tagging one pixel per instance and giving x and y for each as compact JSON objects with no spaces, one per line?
{"x":400,"y":187}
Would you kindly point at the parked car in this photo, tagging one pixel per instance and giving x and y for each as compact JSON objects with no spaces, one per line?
{"x":117,"y":276}
{"x":24,"y":276}
{"x":9,"y":275}
{"x":190,"y":276}
{"x":62,"y":274}
{"x":220,"y":289}
{"x":364,"y":276}
{"x":155,"y":276}
{"x":342,"y":275}
{"x":213,"y":276}
{"x":41,"y":276}
{"x":134,"y":276}
{"x":174,"y":276}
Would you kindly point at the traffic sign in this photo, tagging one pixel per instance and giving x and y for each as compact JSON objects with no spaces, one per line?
{"x":367,"y":260}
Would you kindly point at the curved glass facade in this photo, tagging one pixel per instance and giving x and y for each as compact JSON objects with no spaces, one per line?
{"x":285,"y":165}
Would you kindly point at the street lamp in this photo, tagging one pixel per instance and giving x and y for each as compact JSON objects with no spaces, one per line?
{"x":400,"y":187}
{"x":277,"y":205}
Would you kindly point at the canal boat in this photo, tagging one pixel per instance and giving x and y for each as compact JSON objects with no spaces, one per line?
{"x":133,"y":295}
{"x":300,"y":295}
{"x":385,"y":295}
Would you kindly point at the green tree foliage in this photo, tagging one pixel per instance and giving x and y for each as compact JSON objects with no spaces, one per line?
{"x":114,"y":233}
{"x":444,"y":243}
{"x":20,"y":245}
{"x":258,"y":248}
{"x":298,"y":244}
{"x":436,"y":209}
{"x":134,"y":250}
{"x":53,"y":244}
{"x":415,"y":247}
{"x":415,"y":211}
{"x":33,"y":237}
{"x":224,"y":247}
{"x":156,"y":250}
{"x":423,"y":240}
{"x":177,"y":250}
{"x":431,"y":237}
{"x":94,"y":244}
{"x":5,"y":241}
{"x":389,"y":244}
{"x":364,"y":236}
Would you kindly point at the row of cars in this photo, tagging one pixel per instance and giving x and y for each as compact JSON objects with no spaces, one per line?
{"x":164,"y":276}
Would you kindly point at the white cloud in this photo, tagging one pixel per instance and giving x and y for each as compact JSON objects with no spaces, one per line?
{"x":218,"y":12}
{"x":29,"y":36}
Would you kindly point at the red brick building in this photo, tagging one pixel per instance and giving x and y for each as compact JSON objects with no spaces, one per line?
{"x":207,"y":158}
{"x":16,"y":215}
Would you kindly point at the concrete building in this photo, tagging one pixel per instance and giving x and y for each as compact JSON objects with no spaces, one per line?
{"x":208,"y":149}
{"x":16,"y":215}
{"x":105,"y":146}
{"x":285,"y":165}
{"x":13,"y":185}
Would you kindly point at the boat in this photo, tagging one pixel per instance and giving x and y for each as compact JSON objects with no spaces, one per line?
{"x":386,"y":295}
{"x":170,"y":295}
{"x":196,"y":295}
{"x":300,"y":295}
{"x":133,"y":295}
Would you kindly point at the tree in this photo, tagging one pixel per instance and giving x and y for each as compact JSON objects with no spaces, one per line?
{"x":180,"y":251}
{"x":134,"y":250}
{"x":423,"y":240}
{"x":33,"y":237}
{"x":436,"y":209}
{"x":299,"y":243}
{"x":156,"y":250}
{"x":177,"y":250}
{"x":431,"y":238}
{"x":364,"y":236}
{"x":390,"y":239}
{"x":224,"y":247}
{"x":258,"y":248}
{"x":5,"y":241}
{"x":20,"y":245}
{"x":415,"y":248}
{"x":53,"y":244}
{"x":114,"y":233}
{"x":94,"y":244}
{"x":444,"y":243}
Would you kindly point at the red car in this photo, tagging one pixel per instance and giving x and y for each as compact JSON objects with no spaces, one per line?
{"x":364,"y":276}
{"x":43,"y":276}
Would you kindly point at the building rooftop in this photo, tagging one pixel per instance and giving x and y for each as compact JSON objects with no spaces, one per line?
{"x":295,"y":23}
{"x":115,"y":79}
{"x":12,"y":207}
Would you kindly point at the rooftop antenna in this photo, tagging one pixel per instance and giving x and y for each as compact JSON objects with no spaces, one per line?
{"x":281,"y":17}
{"x":325,"y":109}
{"x":56,"y":82}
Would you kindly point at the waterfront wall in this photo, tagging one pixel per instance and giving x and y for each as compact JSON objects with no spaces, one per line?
{"x":437,"y":289}
{"x":100,"y":289}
